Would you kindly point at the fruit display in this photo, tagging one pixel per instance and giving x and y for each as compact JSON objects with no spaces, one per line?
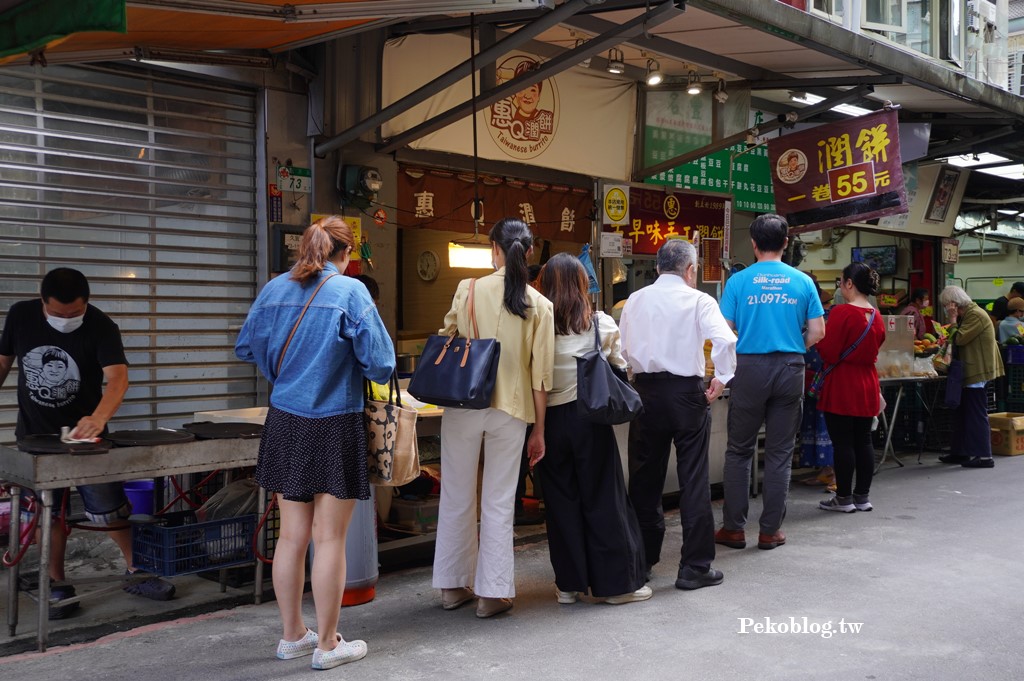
{"x":927,"y":347}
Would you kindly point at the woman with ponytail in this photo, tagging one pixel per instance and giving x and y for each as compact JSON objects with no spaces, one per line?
{"x":850,"y":397}
{"x":313,"y":450}
{"x":520,"y":318}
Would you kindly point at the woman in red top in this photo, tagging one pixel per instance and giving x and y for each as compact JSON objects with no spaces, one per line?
{"x":850,"y":396}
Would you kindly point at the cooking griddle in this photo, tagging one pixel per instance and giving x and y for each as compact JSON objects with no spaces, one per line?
{"x":139,"y":438}
{"x":209,"y":430}
{"x":51,"y":444}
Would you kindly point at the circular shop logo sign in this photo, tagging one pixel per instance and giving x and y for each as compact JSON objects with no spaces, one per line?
{"x":524,"y":124}
{"x":792,"y":166}
{"x":615,"y":206}
{"x":671,"y":207}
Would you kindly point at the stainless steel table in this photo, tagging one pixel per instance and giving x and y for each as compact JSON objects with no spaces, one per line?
{"x":47,"y":472}
{"x":890,"y":421}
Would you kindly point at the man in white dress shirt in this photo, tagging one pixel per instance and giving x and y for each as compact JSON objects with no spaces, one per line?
{"x":664,"y":327}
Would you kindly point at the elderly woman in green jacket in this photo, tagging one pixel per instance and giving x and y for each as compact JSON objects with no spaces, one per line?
{"x":975,"y":346}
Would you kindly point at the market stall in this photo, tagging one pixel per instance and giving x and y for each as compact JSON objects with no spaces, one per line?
{"x":47,"y":472}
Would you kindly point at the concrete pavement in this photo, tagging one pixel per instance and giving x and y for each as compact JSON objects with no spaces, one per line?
{"x":933,"y":577}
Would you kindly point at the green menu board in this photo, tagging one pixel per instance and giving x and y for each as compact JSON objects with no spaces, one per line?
{"x":677,"y":123}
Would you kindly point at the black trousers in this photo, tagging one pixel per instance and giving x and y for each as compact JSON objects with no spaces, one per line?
{"x":852,"y":450}
{"x":971,"y":434}
{"x":593,"y":535}
{"x":675,"y":411}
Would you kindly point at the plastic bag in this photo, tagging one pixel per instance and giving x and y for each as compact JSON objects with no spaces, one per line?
{"x":923,"y":366}
{"x":240,"y":497}
{"x":588,"y":265}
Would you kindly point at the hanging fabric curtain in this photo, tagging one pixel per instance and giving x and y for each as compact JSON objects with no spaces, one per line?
{"x":34,"y":24}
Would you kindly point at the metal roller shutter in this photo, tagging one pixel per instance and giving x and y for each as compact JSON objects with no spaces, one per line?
{"x":146,"y":183}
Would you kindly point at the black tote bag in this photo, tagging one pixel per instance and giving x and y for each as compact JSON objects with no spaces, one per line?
{"x":457,"y":372}
{"x":601,"y":395}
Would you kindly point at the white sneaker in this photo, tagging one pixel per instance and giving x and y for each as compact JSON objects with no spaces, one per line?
{"x":641,"y":594}
{"x":346,"y":651}
{"x":840,"y":504}
{"x":289,"y":650}
{"x":566,"y":597}
{"x":861,"y":503}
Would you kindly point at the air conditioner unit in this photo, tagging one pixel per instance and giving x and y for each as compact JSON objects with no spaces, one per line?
{"x":987,"y":9}
{"x":970,"y":246}
{"x":820,"y":236}
{"x":973,"y":16}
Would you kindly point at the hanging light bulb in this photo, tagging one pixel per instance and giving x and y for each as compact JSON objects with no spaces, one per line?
{"x":654,"y":74}
{"x":616,"y":61}
{"x":694,"y":87}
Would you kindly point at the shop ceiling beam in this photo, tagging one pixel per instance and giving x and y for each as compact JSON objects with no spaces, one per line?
{"x":970,"y":145}
{"x":566,"y":60}
{"x":333,"y":11}
{"x":768,"y":126}
{"x":669,"y":48}
{"x":967,"y":122}
{"x":486,"y":57}
{"x":335,"y":35}
{"x":449,"y":24}
{"x":803,"y":84}
{"x":820,"y":35}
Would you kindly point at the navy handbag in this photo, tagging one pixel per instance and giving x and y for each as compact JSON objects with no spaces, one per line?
{"x":602,"y":396}
{"x":457,"y":372}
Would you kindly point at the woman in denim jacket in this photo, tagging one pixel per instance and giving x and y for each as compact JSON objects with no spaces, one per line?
{"x":313,"y":451}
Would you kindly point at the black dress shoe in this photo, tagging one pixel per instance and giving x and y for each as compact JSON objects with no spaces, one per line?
{"x":978,"y":462}
{"x":954,"y":458}
{"x":689,"y":579}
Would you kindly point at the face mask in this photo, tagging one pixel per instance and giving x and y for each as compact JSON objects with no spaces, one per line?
{"x":65,"y":324}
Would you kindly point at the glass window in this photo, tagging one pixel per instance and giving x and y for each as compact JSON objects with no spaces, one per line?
{"x":884,"y":15}
{"x":832,"y":9}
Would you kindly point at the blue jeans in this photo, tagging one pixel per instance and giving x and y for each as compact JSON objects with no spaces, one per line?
{"x":104,"y":502}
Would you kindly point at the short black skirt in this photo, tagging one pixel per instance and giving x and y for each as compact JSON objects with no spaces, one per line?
{"x":300,"y":456}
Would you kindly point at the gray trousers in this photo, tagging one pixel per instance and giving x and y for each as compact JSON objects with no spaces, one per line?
{"x":767,"y":389}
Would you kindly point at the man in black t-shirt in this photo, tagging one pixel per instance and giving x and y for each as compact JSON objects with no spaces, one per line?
{"x":999,"y":305}
{"x":66,"y":349}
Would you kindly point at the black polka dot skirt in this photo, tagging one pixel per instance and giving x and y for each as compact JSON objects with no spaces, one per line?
{"x":300,"y":456}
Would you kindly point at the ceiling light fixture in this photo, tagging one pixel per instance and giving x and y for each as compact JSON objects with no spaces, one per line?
{"x":579,"y":43}
{"x":654,"y":74}
{"x":809,"y":99}
{"x":694,"y":86}
{"x":616,"y":61}
{"x":469,"y":256}
{"x":720,"y":95}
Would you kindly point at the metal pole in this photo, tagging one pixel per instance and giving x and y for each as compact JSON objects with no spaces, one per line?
{"x":45,"y":523}
{"x":560,"y":63}
{"x":488,"y":56}
{"x":12,"y":573}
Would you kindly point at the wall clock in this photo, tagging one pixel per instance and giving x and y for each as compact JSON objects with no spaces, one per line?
{"x":428,"y":265}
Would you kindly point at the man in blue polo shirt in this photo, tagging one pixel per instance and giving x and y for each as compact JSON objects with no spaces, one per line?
{"x":778,"y":315}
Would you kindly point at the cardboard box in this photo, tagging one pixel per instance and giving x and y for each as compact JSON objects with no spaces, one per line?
{"x":1007,"y":430}
{"x":418,"y":515}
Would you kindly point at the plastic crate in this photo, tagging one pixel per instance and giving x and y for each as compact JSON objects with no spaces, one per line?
{"x":180,"y":545}
{"x":1015,"y":382}
{"x":1015,"y":354}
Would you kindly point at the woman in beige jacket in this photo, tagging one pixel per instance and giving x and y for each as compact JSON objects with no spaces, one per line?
{"x":520,"y":318}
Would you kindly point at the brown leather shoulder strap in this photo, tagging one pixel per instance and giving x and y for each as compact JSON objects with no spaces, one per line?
{"x":298,"y":321}
{"x":472,"y":309}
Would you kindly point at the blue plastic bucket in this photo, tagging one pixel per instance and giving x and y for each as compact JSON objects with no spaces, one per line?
{"x":140,"y":495}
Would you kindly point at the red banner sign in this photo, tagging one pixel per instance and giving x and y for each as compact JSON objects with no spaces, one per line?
{"x":839,"y":173}
{"x":441,"y":199}
{"x":656,"y":215}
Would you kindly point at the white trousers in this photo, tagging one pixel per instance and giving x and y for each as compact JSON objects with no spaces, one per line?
{"x":460,"y":559}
